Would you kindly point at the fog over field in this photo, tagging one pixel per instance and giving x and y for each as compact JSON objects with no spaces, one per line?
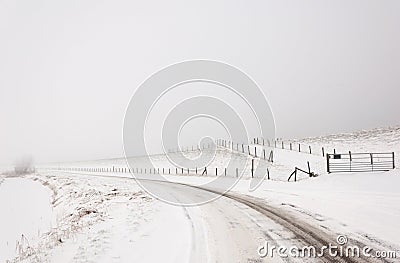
{"x":69,"y":68}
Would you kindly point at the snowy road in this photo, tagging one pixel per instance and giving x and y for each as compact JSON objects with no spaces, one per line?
{"x":229,"y":229}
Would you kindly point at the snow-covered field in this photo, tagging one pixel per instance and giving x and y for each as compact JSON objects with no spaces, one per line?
{"x":66,"y":218}
{"x":103,"y":217}
{"x":26,"y":213}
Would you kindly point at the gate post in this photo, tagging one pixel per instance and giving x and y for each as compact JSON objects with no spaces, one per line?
{"x":393,"y":159}
{"x":327,"y":163}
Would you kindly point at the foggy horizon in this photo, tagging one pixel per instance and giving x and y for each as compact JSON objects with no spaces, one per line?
{"x":69,"y":69}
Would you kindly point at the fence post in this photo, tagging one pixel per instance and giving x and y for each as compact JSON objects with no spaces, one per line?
{"x":350,"y":159}
{"x":290,"y":145}
{"x":295,"y":175}
{"x":323,"y":152}
{"x":255,"y":151}
{"x":225,"y":171}
{"x":334,"y":151}
{"x":263,"y":142}
{"x":216,"y":171}
{"x":264,"y":153}
{"x":242,"y":148}
{"x":309,"y":169}
{"x":283,"y":145}
{"x":309,"y":148}
{"x":372,"y":161}
{"x":237,"y":173}
{"x":299,"y":148}
{"x":252,"y":168}
{"x":268,"y":174}
{"x":248,"y":149}
{"x":327,"y":163}
{"x":393,"y":159}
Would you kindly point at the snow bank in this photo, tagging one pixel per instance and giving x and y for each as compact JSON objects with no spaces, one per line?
{"x":26,"y":213}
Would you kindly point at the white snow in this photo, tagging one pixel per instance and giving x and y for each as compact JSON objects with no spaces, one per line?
{"x":26,"y":213}
{"x":360,"y":205}
{"x":108,"y":220}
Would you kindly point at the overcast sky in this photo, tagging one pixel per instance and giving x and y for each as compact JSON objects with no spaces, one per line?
{"x":69,"y":68}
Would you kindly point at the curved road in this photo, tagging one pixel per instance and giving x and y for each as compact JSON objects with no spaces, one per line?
{"x":233,"y":227}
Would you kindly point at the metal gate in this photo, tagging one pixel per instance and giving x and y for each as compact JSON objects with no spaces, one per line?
{"x":359,"y":162}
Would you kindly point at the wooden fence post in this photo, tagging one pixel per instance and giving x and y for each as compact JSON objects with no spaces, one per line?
{"x":252,"y":168}
{"x":255,"y":151}
{"x":290,"y":145}
{"x":237,"y":172}
{"x":299,"y":148}
{"x":309,"y":169}
{"x":283,"y":145}
{"x":216,"y":171}
{"x":309,"y":147}
{"x":323,"y":152}
{"x":268,"y":174}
